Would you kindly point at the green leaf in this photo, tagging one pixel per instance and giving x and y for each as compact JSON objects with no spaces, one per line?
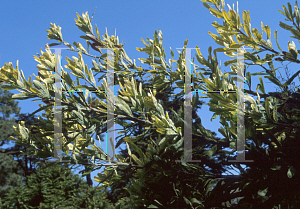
{"x":23,"y":132}
{"x":131,"y":139}
{"x":8,"y":87}
{"x":120,"y":158}
{"x":256,"y":34}
{"x":158,"y":202}
{"x":262,"y":192}
{"x":268,"y":31}
{"x":195,"y":201}
{"x":277,"y":41}
{"x":152,"y":206}
{"x":54,"y":44}
{"x":172,"y":53}
{"x":251,"y":100}
{"x":229,"y":62}
{"x":187,"y":201}
{"x":78,"y":99}
{"x":290,"y":9}
{"x":206,"y":5}
{"x":123,"y":106}
{"x":40,"y":109}
{"x":179,"y":143}
{"x":267,"y":106}
{"x":79,"y":116}
{"x":212,"y":151}
{"x":138,"y":150}
{"x":285,"y":26}
{"x":216,"y":13}
{"x":67,"y":78}
{"x":291,"y":172}
{"x":297,"y":14}
{"x":222,"y":4}
{"x":281,"y":12}
{"x":288,"y":82}
{"x":42,"y":88}
{"x":249,"y":79}
{"x":96,"y":66}
{"x":92,"y":129}
{"x":185,"y":42}
{"x":22,"y":96}
{"x":226,"y":17}
{"x":92,"y":77}
{"x":258,"y":74}
{"x":274,"y":80}
{"x":136,"y":160}
{"x":274,"y":114}
{"x":287,"y":13}
{"x":262,"y":87}
{"x":128,"y":149}
{"x":292,"y":49}
{"x":277,"y":167}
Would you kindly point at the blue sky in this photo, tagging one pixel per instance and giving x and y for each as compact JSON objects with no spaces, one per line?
{"x":24,"y":25}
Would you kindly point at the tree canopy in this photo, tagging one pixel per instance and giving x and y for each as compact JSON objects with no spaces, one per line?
{"x":147,"y":176}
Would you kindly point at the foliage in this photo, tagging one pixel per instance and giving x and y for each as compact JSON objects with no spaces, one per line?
{"x":6,"y":122}
{"x":54,"y":186}
{"x":271,"y":126}
{"x":9,"y":175}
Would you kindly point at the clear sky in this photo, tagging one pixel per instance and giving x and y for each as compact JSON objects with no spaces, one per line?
{"x":24,"y":24}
